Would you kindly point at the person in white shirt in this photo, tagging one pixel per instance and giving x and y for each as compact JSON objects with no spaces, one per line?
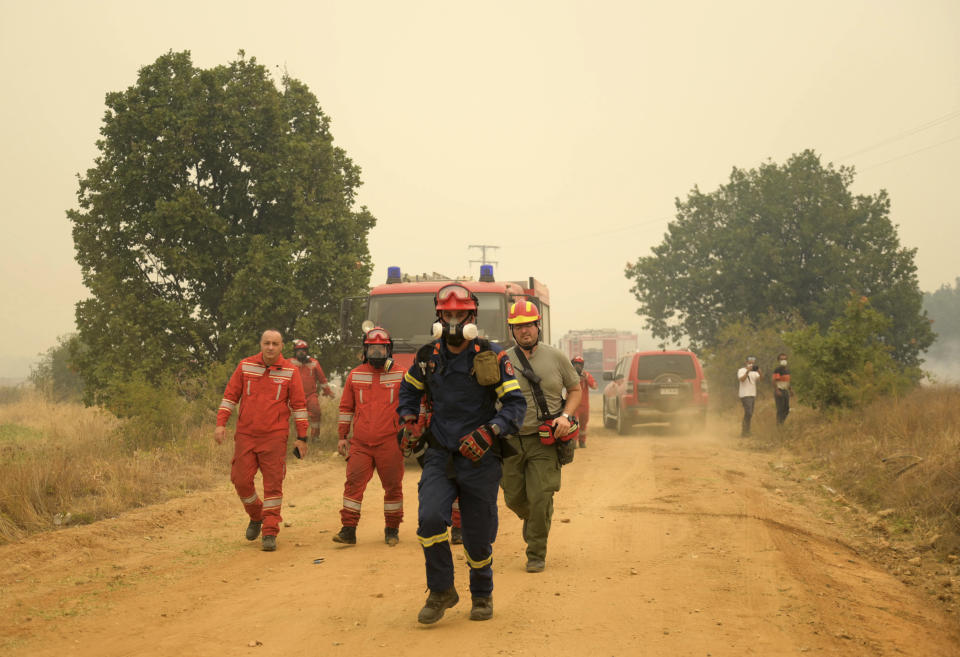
{"x":748,"y":375}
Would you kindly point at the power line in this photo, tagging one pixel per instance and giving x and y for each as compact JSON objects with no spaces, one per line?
{"x":900,"y":157}
{"x":949,"y":116}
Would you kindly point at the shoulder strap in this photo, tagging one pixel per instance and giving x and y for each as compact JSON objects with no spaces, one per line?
{"x":526,"y":370}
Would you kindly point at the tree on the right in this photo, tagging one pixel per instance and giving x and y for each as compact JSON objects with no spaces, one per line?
{"x":785,"y":238}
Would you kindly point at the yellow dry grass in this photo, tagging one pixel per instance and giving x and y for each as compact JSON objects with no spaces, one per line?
{"x":63,"y":464}
{"x":900,"y":455}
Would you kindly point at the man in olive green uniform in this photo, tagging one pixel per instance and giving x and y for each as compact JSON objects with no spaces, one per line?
{"x":531,"y":464}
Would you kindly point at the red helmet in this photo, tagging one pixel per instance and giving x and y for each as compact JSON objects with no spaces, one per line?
{"x":299,"y":344}
{"x":377,"y":335}
{"x":576,"y":359}
{"x":455,"y":297}
{"x":523,"y":312}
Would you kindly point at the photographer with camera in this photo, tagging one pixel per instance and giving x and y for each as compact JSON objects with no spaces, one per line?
{"x":748,"y":375}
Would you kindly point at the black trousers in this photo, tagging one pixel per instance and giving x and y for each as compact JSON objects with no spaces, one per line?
{"x":783,"y":406}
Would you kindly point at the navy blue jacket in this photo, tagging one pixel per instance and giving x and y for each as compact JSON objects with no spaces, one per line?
{"x":460,"y":404}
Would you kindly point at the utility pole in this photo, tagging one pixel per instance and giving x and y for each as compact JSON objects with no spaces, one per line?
{"x":483,"y":257}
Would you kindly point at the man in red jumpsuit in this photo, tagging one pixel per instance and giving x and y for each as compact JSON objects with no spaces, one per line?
{"x":369,"y":405}
{"x":313,"y":377}
{"x":583,"y":410}
{"x":268,"y":389}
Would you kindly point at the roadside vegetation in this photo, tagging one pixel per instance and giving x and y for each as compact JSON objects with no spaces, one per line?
{"x":898,"y":458}
{"x":63,"y":463}
{"x":860,"y":425}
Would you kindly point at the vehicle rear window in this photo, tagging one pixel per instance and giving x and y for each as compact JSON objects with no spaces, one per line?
{"x":652,"y":366}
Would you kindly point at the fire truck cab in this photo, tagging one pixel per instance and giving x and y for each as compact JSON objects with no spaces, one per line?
{"x":404,"y":306}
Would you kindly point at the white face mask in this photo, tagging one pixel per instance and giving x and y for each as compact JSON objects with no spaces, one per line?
{"x":783,"y":362}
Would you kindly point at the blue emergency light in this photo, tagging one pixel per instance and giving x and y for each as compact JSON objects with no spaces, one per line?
{"x":486,"y":273}
{"x":393,"y":275}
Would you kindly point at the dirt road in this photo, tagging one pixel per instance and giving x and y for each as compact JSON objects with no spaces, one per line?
{"x":661,"y":545}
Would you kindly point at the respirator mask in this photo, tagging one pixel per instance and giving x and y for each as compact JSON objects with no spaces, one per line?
{"x":455,"y":332}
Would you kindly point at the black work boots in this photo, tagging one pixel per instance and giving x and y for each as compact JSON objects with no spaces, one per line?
{"x":253,"y":529}
{"x":482,"y":608}
{"x":346,"y":535}
{"x":269,"y":543}
{"x":437,"y":603}
{"x":391,"y":536}
{"x":456,"y":536}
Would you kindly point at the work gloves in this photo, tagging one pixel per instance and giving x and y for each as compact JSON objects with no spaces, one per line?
{"x":476,"y":443}
{"x":409,"y":437}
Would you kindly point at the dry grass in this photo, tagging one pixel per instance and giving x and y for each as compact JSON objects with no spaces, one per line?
{"x":899,"y":454}
{"x":63,"y":464}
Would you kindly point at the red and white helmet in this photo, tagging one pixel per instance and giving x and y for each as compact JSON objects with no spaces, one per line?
{"x":300,"y":344}
{"x":523,"y":312}
{"x":577,"y":359}
{"x":455,"y":297}
{"x":377,"y":335}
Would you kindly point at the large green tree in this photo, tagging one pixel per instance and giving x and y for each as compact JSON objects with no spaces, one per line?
{"x":788,"y":238}
{"x":218,"y":206}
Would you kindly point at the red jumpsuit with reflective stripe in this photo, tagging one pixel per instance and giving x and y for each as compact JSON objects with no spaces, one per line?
{"x":313,"y":379}
{"x":583,"y":410}
{"x":369,"y":404}
{"x":268,"y":396}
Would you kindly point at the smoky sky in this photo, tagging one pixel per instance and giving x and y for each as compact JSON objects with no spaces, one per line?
{"x":559,"y":132}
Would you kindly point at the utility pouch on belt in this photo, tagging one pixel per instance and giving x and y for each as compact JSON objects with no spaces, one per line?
{"x":565,"y":452}
{"x":486,"y":369}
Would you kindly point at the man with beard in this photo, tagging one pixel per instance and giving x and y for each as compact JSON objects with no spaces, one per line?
{"x":464,"y":379}
{"x":531,"y":473}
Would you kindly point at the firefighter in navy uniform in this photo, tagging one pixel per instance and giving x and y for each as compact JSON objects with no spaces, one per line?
{"x":463,"y":378}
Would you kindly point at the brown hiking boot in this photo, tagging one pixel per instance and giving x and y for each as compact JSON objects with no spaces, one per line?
{"x":482,"y":608}
{"x":253,"y":529}
{"x":391,"y":536}
{"x":268,"y":543}
{"x":437,"y":603}
{"x":346,"y":535}
{"x":536,"y":565}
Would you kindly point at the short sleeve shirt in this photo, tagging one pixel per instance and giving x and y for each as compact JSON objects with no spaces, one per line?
{"x":748,"y":387}
{"x":557,"y":374}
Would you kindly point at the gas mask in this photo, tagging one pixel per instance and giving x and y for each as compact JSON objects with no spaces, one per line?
{"x":301,"y":355}
{"x":376,"y":355}
{"x":454,"y":333}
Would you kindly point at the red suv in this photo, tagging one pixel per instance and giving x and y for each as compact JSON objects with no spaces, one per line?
{"x":655,"y":386}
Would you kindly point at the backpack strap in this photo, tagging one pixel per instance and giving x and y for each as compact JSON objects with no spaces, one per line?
{"x":526,"y":370}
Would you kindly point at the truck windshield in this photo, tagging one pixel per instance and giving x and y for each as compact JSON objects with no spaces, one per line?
{"x":409,"y":318}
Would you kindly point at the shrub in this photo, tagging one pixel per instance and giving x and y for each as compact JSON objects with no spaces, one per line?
{"x":763,"y":338}
{"x":55,"y":375}
{"x":849,"y":365}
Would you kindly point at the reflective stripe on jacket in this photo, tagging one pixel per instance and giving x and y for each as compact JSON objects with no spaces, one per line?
{"x":369,"y":404}
{"x":267,"y":396}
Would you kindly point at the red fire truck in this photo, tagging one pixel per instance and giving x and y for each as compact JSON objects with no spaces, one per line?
{"x":404,"y":306}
